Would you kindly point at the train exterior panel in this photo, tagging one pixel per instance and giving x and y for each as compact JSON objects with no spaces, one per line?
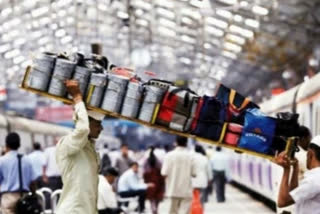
{"x":262,"y":176}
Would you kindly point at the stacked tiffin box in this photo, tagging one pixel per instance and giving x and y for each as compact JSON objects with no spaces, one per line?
{"x":228,"y":118}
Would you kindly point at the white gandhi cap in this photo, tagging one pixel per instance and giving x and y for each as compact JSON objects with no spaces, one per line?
{"x":316,"y":140}
{"x":96,"y":115}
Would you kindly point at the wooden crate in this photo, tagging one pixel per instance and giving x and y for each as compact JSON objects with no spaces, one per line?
{"x":289,"y":148}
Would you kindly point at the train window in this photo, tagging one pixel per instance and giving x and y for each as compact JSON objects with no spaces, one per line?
{"x":49,"y":141}
{"x":26,"y":141}
{"x":39,"y":138}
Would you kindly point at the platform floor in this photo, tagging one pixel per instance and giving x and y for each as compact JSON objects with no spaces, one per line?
{"x":236,"y":202}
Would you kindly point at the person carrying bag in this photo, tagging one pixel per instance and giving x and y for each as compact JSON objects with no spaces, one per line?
{"x":28,"y":203}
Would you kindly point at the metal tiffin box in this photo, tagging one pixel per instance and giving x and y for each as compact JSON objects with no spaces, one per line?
{"x":82,"y":75}
{"x":152,"y":100}
{"x":115,"y":93}
{"x":40,"y":75}
{"x":96,"y":87}
{"x":63,"y":71}
{"x":132,"y":100}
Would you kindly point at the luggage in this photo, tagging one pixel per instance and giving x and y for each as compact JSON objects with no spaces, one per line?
{"x":233,"y":134}
{"x":258,"y":131}
{"x":196,"y":114}
{"x":236,"y":104}
{"x":132,"y":100}
{"x":278,"y":145}
{"x":82,"y":75}
{"x":211,"y":120}
{"x":154,"y":91}
{"x":287,"y":124}
{"x":63,"y":71}
{"x":96,"y":89}
{"x":176,"y":108}
{"x":114,"y":93}
{"x":39,"y":77}
{"x":82,"y":72}
{"x":151,"y":102}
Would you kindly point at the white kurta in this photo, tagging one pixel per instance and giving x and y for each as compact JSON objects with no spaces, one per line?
{"x":204,"y":171}
{"x":179,"y":168}
{"x":107,"y":197}
{"x":307,"y":195}
{"x":79,"y":165}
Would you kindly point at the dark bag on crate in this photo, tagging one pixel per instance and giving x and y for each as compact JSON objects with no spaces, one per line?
{"x":210,"y":124}
{"x":278,"y":145}
{"x":258,"y":131}
{"x":176,"y":107}
{"x":287,"y":124}
{"x":196,"y":114}
{"x":235,"y":102}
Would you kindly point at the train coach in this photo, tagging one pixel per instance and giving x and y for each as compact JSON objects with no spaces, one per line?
{"x":262,"y":176}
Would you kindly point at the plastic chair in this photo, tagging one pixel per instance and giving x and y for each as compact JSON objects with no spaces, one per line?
{"x":42,"y":201}
{"x":46,"y":191}
{"x":54,"y":199}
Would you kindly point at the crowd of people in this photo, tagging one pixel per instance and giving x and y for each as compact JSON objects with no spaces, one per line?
{"x":105,"y":183}
{"x":151,"y":175}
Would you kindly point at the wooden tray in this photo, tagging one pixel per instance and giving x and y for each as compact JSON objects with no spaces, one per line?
{"x":24,"y":85}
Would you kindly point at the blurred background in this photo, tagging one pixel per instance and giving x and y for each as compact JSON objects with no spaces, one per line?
{"x":271,"y":44}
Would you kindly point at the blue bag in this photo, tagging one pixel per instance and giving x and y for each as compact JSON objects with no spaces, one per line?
{"x":211,"y":119}
{"x":258,"y":131}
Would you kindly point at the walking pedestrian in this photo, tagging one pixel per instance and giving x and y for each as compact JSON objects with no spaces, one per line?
{"x":152,"y":174}
{"x":123,"y":162}
{"x":9,"y":175}
{"x":219,"y":164}
{"x":37,"y":159}
{"x":204,"y":173}
{"x":178,"y":169}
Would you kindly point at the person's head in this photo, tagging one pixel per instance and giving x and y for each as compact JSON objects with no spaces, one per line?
{"x":305,"y":137}
{"x":134,"y":166}
{"x":152,"y":160}
{"x":124,"y":150}
{"x":95,"y":120}
{"x":199,"y":149}
{"x":110,"y":174}
{"x":313,"y":154}
{"x":36,"y":146}
{"x":12,"y":141}
{"x":95,"y":128}
{"x":181,"y":141}
{"x":167,"y":148}
{"x":218,"y":149}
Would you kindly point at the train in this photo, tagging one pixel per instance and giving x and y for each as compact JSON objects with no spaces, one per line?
{"x":262,"y":176}
{"x":31,"y":131}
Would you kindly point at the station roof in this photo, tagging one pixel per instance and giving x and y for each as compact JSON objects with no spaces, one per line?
{"x":244,"y":43}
